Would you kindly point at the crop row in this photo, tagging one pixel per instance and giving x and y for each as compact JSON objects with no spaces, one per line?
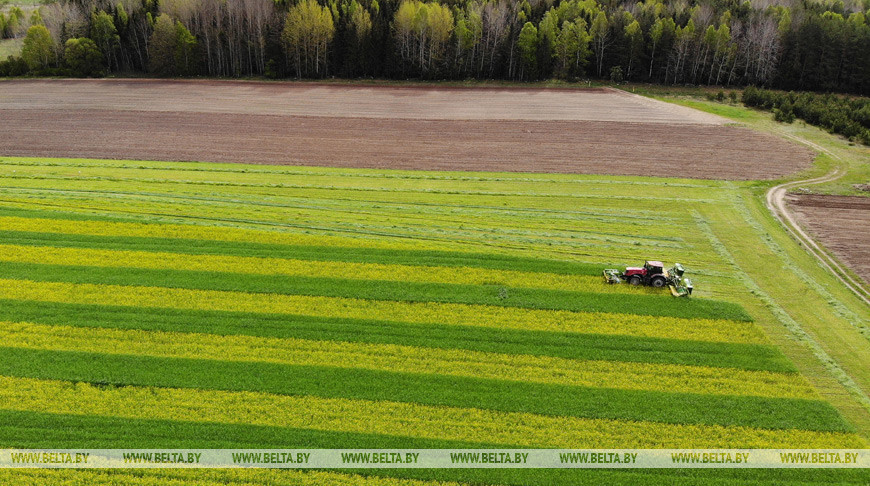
{"x":575,"y":346}
{"x":190,"y":231}
{"x":429,"y":477}
{"x":429,"y":389}
{"x":392,"y":418}
{"x":491,"y":261}
{"x":304,"y":268}
{"x":410,"y":359}
{"x":642,"y":302}
{"x":181,"y":477}
{"x":414,"y":312}
{"x":227,"y":239}
{"x":82,"y":431}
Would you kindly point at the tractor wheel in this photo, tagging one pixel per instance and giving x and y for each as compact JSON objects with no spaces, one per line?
{"x":658,"y":282}
{"x":635,"y":280}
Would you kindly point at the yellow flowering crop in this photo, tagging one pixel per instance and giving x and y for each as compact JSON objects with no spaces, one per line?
{"x":395,"y":418}
{"x":415,"y":312}
{"x":289,"y":267}
{"x":411,"y":359}
{"x":201,"y":477}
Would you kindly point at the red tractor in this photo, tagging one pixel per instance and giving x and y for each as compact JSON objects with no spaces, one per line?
{"x":654,"y":274}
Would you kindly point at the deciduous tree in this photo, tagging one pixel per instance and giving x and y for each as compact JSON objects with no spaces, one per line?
{"x":38,"y":48}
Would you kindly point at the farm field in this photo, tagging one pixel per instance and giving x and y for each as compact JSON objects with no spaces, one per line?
{"x":235,"y":306}
{"x":840,"y":223}
{"x":277,"y":303}
{"x":601,"y":131}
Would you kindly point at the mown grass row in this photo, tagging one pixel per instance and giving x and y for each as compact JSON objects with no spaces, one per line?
{"x":642,"y":304}
{"x":233,"y":175}
{"x":454,"y":234}
{"x":219,"y":225}
{"x":330,"y":204}
{"x":520,"y":429}
{"x":597,"y":219}
{"x":566,"y":345}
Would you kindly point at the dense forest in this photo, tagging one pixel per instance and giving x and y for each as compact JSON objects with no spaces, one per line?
{"x":821,"y":45}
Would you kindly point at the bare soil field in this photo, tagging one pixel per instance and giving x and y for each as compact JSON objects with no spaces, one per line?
{"x":840,"y":223}
{"x":599,"y":131}
{"x":346,"y":101}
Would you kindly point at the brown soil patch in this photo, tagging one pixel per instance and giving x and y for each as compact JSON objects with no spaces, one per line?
{"x":840,"y":223}
{"x":568,"y":131}
{"x":312,"y":99}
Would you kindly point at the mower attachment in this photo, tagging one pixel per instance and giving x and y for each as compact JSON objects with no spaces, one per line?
{"x":612,"y":276}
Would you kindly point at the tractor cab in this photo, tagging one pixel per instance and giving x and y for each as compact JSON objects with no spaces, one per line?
{"x":653,"y":268}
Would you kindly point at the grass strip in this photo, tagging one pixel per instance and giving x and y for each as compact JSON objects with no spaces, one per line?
{"x":53,"y":431}
{"x":640,"y":304}
{"x":390,"y":417}
{"x":50,"y":255}
{"x":410,"y":359}
{"x":434,"y":336}
{"x":350,"y":254}
{"x":427,"y":389}
{"x":436,"y":477}
{"x":416,"y":312}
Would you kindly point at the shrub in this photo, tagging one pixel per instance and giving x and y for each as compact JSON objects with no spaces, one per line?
{"x":616,"y":74}
{"x":83,"y":57}
{"x":782,"y":116}
{"x":13,"y":66}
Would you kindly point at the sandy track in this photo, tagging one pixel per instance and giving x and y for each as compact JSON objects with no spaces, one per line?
{"x":622,"y":148}
{"x":311,"y":99}
{"x":840,"y":223}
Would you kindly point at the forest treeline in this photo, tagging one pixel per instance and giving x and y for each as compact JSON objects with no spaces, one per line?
{"x":847,"y":116}
{"x":821,"y":45}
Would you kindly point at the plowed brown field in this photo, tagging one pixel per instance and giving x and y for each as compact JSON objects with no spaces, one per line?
{"x":599,"y":131}
{"x":840,"y":223}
